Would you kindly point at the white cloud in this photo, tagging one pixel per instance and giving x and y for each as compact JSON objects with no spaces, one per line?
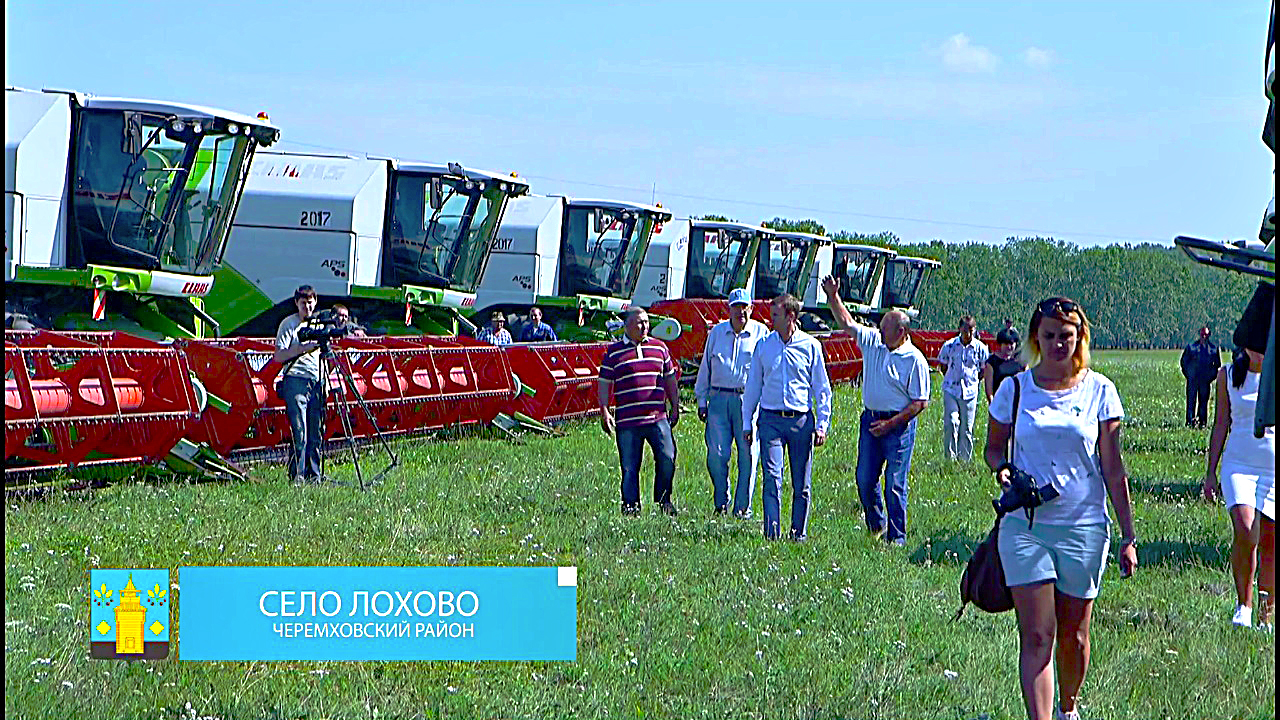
{"x":962,"y":56}
{"x":1037,"y":57}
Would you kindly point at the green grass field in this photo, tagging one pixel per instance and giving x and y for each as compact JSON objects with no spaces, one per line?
{"x":695,"y":616}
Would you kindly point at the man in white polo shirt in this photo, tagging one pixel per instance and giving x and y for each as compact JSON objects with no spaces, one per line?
{"x":961,"y":359}
{"x":895,"y":389}
{"x":722,"y":376}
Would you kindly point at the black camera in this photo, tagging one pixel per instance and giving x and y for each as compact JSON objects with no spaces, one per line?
{"x":323,"y":327}
{"x":1022,"y":492}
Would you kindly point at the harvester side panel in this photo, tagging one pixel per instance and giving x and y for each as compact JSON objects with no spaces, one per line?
{"x":37,"y":152}
{"x":522,"y":263}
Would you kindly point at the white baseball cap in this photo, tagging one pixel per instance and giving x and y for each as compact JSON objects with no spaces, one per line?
{"x":739,"y":296}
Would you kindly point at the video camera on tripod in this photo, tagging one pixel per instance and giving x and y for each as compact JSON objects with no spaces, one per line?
{"x":322,"y":328}
{"x":325,"y":326}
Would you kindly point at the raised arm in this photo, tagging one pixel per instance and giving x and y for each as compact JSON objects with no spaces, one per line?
{"x":843,"y":318}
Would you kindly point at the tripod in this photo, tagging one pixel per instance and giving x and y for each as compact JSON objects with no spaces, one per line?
{"x":347,"y":387}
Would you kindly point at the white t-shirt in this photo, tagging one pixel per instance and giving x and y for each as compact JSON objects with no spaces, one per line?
{"x":1056,"y":441}
{"x":964,"y":366}
{"x":891,"y":379}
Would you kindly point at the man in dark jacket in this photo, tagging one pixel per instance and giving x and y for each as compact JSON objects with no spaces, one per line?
{"x":1200,"y":363}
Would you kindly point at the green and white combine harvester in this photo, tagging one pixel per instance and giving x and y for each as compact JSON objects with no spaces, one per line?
{"x":402,"y":244}
{"x":117,"y":211}
{"x":579,"y":260}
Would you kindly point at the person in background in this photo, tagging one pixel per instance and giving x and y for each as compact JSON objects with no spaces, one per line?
{"x":495,"y":333}
{"x":1003,"y":363}
{"x":895,"y":389}
{"x":722,"y":376}
{"x":961,"y":359}
{"x":343,"y":315}
{"x":301,"y":389}
{"x":1246,"y":481}
{"x":789,"y":386}
{"x":1200,"y":363}
{"x":535,"y":330}
{"x":640,"y":374}
{"x":1066,"y":435}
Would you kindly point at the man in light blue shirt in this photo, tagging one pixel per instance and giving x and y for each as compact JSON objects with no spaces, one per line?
{"x":961,"y":359}
{"x":895,"y":389}
{"x":722,"y":377}
{"x":788,"y":384}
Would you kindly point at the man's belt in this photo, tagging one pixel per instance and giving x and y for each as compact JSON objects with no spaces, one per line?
{"x":786,"y":413}
{"x":881,"y":414}
{"x":735,"y":391}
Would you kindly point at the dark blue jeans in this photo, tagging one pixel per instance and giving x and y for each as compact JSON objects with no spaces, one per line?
{"x":890,"y":453}
{"x":304,"y":406}
{"x":631,"y":442}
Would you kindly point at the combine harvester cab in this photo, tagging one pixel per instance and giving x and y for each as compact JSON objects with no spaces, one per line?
{"x":117,"y":211}
{"x":402,"y":244}
{"x":787,"y":263}
{"x":860,"y":270}
{"x":579,"y":260}
{"x":904,"y":277}
{"x":721,"y":257}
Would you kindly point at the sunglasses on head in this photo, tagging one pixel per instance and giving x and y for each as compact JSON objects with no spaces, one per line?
{"x":1056,"y":306}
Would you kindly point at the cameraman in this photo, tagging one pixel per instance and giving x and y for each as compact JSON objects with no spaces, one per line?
{"x":301,"y":389}
{"x":1067,"y":435}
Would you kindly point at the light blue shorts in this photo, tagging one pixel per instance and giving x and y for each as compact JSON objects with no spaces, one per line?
{"x":1072,"y":556}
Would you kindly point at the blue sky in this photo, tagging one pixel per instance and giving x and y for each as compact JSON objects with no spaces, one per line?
{"x":1093,"y":122}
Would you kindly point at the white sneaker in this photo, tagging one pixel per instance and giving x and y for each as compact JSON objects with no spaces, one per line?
{"x":1243,"y":616}
{"x":1058,"y":714}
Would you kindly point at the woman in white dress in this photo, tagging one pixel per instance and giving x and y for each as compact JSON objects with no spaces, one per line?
{"x":1247,"y":482}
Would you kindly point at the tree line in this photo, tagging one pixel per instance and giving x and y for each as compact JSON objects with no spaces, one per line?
{"x":1136,"y":296}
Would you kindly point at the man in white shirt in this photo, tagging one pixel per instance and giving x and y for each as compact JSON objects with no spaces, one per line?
{"x":895,"y":389}
{"x":961,"y":359}
{"x":788,"y":384}
{"x":722,"y":377}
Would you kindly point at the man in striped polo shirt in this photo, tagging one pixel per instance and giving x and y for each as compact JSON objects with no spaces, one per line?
{"x":642,"y":378}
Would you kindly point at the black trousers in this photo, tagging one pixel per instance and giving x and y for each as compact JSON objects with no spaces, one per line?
{"x":1197,"y":403}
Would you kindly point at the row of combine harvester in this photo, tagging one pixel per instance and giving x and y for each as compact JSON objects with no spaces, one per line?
{"x":152,"y":248}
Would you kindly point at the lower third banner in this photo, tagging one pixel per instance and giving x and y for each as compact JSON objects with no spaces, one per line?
{"x":377,"y":613}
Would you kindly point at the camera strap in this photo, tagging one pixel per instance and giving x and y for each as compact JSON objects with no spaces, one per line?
{"x":1013,"y":423}
{"x":1013,"y":434}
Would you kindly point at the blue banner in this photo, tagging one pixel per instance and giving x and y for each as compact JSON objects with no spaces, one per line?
{"x":377,"y":613}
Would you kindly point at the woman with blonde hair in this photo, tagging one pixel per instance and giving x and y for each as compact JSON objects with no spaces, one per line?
{"x":1064,"y":419}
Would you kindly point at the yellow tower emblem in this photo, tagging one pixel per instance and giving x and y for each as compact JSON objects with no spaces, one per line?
{"x":130,"y":619}
{"x":124,"y":623}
